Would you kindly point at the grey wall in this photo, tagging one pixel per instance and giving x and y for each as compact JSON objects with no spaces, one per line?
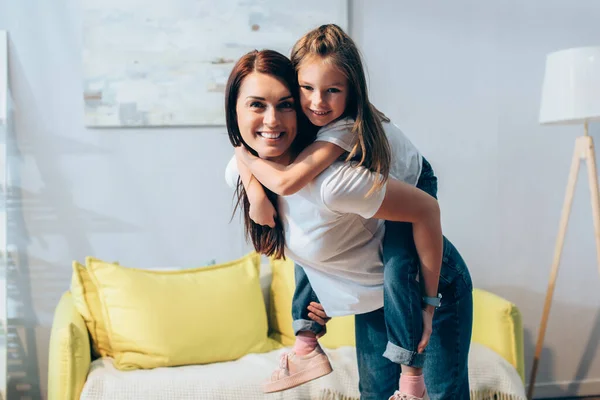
{"x":147,"y":197}
{"x":463,"y":80}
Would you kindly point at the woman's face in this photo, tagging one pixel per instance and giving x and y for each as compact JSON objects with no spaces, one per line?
{"x":266,"y":115}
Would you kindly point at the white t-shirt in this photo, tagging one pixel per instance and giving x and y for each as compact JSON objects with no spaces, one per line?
{"x":406,"y":161}
{"x":329,"y":231}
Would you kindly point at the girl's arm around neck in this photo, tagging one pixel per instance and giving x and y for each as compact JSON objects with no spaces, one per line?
{"x":287,"y":180}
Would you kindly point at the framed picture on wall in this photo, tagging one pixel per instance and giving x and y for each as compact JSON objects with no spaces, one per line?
{"x":166,"y":63}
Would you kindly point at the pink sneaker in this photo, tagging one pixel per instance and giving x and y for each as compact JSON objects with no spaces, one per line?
{"x":403,"y":396}
{"x":294,"y":370}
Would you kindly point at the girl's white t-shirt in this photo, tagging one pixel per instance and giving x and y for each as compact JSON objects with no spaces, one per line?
{"x":406,"y":160}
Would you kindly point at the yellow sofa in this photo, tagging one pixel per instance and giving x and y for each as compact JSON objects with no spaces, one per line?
{"x":497,"y":325}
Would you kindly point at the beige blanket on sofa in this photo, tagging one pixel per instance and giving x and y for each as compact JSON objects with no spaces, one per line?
{"x":489,"y":375}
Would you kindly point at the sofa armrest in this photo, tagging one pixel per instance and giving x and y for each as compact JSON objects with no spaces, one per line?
{"x":70,"y":356}
{"x":497,"y":324}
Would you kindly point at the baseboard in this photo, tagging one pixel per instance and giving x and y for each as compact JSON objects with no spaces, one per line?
{"x":586,"y":387}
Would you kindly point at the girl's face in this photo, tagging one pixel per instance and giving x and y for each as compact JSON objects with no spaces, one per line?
{"x":323,"y":91}
{"x":266,"y":115}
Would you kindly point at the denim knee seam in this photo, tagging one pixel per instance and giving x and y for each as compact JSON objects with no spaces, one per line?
{"x":457,"y":351}
{"x":457,"y":322}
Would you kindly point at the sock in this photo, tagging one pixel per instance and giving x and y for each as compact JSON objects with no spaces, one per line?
{"x":305,"y":343}
{"x":412,"y":384}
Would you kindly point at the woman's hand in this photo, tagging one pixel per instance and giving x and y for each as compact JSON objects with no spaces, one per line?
{"x":243,"y":154}
{"x":317,"y":314}
{"x":427,"y":328}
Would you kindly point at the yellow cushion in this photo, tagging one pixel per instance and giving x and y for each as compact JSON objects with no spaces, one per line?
{"x":193,"y":316}
{"x":69,"y":352}
{"x":280,"y":308}
{"x":87,"y":302}
{"x":340,"y":330}
{"x":497,"y":324}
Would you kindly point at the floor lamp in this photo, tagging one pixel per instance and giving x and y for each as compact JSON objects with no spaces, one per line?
{"x":570,"y":95}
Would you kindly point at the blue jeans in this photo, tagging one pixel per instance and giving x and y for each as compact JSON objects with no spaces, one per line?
{"x":401,"y":289}
{"x":303,"y":295}
{"x":445,"y":368}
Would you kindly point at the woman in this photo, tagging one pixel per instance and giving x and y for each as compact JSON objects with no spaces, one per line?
{"x":334,"y":231}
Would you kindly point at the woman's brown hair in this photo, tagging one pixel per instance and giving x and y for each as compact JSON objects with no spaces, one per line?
{"x":266,"y":240}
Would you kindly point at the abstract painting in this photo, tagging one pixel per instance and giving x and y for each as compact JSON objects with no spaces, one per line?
{"x":166,"y":63}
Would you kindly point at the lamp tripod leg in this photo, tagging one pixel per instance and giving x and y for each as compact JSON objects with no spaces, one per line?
{"x":595,"y":196}
{"x":560,"y":240}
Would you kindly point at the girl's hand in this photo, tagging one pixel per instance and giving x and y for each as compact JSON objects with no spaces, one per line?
{"x":243,"y":154}
{"x":262,"y":212}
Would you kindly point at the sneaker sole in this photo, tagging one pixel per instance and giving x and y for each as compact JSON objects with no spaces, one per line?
{"x":299,"y":378}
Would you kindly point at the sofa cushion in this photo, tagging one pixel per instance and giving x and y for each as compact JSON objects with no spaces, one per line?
{"x":86,"y":301}
{"x":69,"y":352}
{"x":179,"y":317}
{"x":503,"y":327}
{"x":280,"y":304}
{"x":340,"y":330}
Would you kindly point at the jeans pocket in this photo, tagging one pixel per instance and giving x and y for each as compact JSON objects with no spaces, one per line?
{"x":453,"y":264}
{"x":455,"y":279}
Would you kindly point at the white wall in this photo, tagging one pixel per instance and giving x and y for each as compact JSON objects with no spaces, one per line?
{"x":463,"y":80}
{"x":144,"y":197}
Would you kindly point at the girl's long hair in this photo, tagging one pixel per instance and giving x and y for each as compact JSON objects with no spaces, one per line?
{"x":329,"y":43}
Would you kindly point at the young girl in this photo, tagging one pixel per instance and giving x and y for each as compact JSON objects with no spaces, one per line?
{"x":333,"y":94}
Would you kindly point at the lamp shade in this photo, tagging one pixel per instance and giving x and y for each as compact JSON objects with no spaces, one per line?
{"x":571,"y":91}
